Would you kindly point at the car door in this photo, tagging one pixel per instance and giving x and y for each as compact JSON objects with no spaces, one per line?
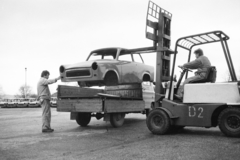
{"x":128,"y":69}
{"x":141,"y":67}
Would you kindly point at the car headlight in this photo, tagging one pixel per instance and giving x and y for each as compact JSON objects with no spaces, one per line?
{"x":61,"y":69}
{"x":94,"y":66}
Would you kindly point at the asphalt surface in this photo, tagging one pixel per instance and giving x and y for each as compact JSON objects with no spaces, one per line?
{"x":21,"y":138}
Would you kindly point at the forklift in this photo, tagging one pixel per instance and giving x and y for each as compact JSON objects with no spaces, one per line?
{"x":205,"y":103}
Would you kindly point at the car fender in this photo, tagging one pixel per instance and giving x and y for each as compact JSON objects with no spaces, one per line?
{"x":108,"y":70}
{"x":147,"y":73}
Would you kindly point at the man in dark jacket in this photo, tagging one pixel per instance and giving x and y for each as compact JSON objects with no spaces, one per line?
{"x":201,"y":63}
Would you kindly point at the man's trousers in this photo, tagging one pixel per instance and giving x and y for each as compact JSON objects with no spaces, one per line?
{"x":46,"y":114}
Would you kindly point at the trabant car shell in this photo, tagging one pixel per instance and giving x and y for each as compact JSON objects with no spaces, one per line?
{"x":95,"y":70}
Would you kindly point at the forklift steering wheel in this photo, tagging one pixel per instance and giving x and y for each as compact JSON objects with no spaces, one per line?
{"x":185,"y":69}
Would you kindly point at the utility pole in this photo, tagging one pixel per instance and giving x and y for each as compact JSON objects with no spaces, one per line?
{"x":25,"y":88}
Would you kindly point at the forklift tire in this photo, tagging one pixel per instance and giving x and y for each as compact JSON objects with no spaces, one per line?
{"x":158,"y":122}
{"x":229,"y":122}
{"x":117,"y":119}
{"x":83,"y":119}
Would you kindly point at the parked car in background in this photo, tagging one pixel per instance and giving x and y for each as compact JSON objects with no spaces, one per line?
{"x":33,"y":102}
{"x":22,"y":102}
{"x":53,"y":102}
{"x":11,"y":103}
{"x":108,"y":67}
{"x":3,"y":103}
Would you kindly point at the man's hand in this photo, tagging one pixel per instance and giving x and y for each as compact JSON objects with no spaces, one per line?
{"x":58,"y":78}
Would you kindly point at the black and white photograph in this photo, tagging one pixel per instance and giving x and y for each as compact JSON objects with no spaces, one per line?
{"x":119,"y":79}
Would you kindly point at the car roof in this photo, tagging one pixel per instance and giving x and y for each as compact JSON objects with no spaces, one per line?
{"x":112,"y":50}
{"x":108,"y":49}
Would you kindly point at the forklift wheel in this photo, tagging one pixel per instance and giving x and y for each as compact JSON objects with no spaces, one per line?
{"x":83,"y":119}
{"x":158,"y":122}
{"x":117,"y":119}
{"x":229,"y":122}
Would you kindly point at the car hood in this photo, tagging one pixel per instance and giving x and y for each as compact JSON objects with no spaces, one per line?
{"x":87,"y":64}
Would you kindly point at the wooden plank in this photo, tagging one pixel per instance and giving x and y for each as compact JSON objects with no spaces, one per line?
{"x":73,"y":91}
{"x":80,"y":105}
{"x":113,"y":106}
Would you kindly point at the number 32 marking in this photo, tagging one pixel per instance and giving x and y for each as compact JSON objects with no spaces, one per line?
{"x":193,"y":112}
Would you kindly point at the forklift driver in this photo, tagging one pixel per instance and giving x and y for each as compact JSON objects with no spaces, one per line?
{"x":201,"y":63}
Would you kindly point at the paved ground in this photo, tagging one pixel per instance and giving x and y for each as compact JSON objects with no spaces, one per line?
{"x":21,"y":138}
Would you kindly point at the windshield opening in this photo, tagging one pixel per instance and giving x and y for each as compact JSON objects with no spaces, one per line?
{"x":103,"y":54}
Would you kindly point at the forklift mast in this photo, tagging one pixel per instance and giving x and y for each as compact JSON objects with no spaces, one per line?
{"x":159,"y":22}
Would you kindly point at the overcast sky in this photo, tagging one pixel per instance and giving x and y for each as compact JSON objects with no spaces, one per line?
{"x":44,"y":34}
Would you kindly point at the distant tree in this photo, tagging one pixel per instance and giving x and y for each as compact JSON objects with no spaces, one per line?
{"x":33,"y":95}
{"x":22,"y":91}
{"x":2,"y":94}
{"x":18,"y":96}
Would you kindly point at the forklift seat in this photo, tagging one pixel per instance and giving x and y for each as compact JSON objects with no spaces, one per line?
{"x":211,"y":76}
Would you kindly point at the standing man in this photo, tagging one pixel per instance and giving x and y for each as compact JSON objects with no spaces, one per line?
{"x":44,"y":96}
{"x":201,"y":63}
